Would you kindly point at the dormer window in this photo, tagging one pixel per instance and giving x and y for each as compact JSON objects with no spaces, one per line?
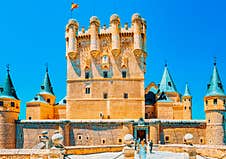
{"x":220,"y":85}
{"x":208,"y":86}
{"x":42,"y":87}
{"x":36,"y":98}
{"x":64,"y":101}
{"x":12,"y":104}
{"x":169,"y":84}
{"x":48,"y":100}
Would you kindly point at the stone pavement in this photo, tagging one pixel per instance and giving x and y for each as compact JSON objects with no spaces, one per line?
{"x":117,"y":155}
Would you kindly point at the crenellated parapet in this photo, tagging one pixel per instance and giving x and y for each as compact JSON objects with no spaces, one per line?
{"x":99,"y":45}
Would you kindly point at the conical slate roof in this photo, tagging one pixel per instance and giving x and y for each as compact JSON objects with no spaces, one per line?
{"x":46,"y":87}
{"x":187,"y":91}
{"x":215,"y":86}
{"x":8,"y":90}
{"x":167,"y":84}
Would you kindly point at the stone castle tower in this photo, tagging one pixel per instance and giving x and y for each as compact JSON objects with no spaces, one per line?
{"x":9,"y":113}
{"x":105,"y":69}
{"x":42,"y":105}
{"x":163,"y":101}
{"x":215,"y":102}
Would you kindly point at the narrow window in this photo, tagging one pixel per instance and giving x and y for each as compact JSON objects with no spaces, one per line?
{"x":1,"y":103}
{"x":29,"y":118}
{"x":105,"y":74}
{"x":201,"y":141}
{"x":48,"y":100}
{"x":80,"y":137}
{"x":208,"y":86}
{"x":64,"y":101}
{"x":103,"y":141}
{"x":125,"y":95}
{"x":220,"y":85}
{"x":224,"y":101}
{"x":169,"y":84}
{"x":119,"y":140}
{"x":167,"y":138}
{"x":123,"y":74}
{"x":105,"y":95}
{"x":215,"y":101}
{"x":12,"y":104}
{"x":206,"y":102}
{"x":42,"y":87}
{"x":184,"y":108}
{"x":87,"y":75}
{"x":87,"y":90}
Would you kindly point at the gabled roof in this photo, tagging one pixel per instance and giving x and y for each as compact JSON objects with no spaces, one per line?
{"x":215,"y":86}
{"x":38,"y":98}
{"x":63,"y":101}
{"x":46,"y":87}
{"x":167,"y":84}
{"x":187,"y":91}
{"x":8,"y":90}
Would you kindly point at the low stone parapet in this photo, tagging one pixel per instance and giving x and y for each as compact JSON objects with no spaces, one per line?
{"x":30,"y":154}
{"x":82,"y":150}
{"x":217,"y":151}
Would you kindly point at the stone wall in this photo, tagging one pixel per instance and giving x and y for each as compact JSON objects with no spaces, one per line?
{"x":174,"y":132}
{"x":75,"y":132}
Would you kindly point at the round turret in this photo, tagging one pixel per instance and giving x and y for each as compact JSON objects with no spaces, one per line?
{"x":136,"y":16}
{"x":95,"y":20}
{"x":72,"y":22}
{"x":114,"y":18}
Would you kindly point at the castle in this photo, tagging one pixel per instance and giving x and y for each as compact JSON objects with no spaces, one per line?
{"x":106,"y":98}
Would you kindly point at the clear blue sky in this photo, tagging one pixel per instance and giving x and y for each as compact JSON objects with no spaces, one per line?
{"x":188,"y":34}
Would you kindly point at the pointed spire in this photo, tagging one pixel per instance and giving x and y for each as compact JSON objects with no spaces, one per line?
{"x":215,"y":86}
{"x":167,"y":84}
{"x":8,"y":89}
{"x":46,"y":87}
{"x":187,"y":91}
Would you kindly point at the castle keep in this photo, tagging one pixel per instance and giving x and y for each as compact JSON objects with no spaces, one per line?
{"x":106,"y":98}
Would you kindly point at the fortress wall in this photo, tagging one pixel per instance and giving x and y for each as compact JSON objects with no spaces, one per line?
{"x":75,"y":132}
{"x":109,"y":133}
{"x":174,"y":133}
{"x":27,"y":133}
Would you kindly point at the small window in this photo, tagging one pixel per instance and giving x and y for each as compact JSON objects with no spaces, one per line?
{"x":167,"y":138}
{"x":208,"y":121}
{"x":220,"y":85}
{"x":123,"y":74}
{"x":215,"y":101}
{"x":120,"y":140}
{"x":185,"y":108}
{"x":125,"y":95}
{"x":1,"y":103}
{"x":42,"y":87}
{"x":105,"y":95}
{"x":36,"y":98}
{"x":189,"y":108}
{"x":80,"y":137}
{"x":48,"y":100}
{"x":206,"y":102}
{"x":208,"y":86}
{"x":201,"y":141}
{"x":64,"y":101}
{"x":87,"y":90}
{"x":109,"y":117}
{"x":224,"y":101}
{"x":103,"y":141}
{"x":169,"y":84}
{"x":29,"y":118}
{"x":87,"y":75}
{"x":12,"y":104}
{"x":105,"y":74}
